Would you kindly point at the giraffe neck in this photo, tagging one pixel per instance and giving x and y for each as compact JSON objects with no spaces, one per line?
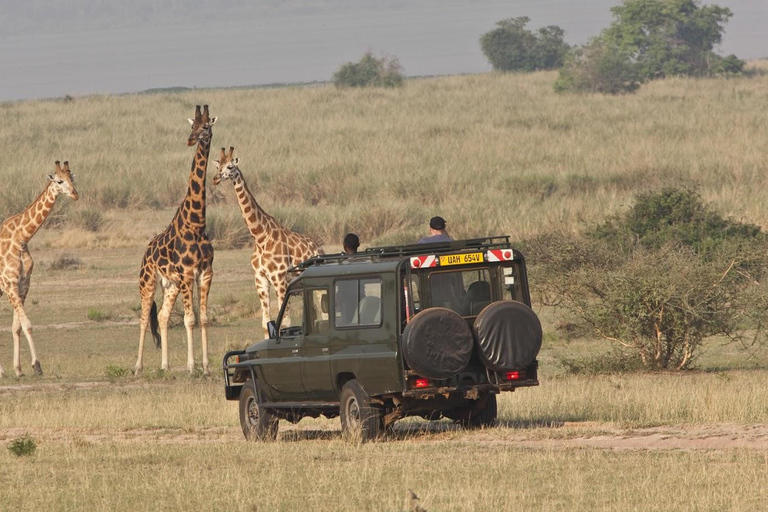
{"x":192,"y":210}
{"x":35,"y":214}
{"x":259,"y":222}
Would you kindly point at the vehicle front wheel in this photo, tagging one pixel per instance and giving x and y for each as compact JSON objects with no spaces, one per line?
{"x":359,"y":419}
{"x":257,"y":423}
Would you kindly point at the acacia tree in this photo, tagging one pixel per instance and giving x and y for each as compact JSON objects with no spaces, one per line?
{"x":512,"y":47}
{"x":659,"y":287}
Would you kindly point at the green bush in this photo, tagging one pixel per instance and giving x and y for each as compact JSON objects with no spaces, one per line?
{"x":370,"y":71}
{"x":23,"y":446}
{"x":675,"y":216}
{"x":598,"y":68}
{"x":114,"y":372}
{"x":97,"y":315}
{"x":511,"y":47}
{"x":660,"y":279}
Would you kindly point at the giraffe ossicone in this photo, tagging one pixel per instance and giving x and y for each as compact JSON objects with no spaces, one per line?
{"x":276,"y":248}
{"x":16,"y":263}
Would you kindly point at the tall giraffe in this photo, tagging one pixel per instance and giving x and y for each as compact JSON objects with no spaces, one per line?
{"x":181,"y":256}
{"x":275,"y":248}
{"x":16,"y":263}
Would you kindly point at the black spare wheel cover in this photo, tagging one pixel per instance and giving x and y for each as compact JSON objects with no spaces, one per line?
{"x":508,"y":335}
{"x":437,"y":343}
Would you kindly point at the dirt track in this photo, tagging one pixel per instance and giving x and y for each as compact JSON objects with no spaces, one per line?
{"x":570,"y":435}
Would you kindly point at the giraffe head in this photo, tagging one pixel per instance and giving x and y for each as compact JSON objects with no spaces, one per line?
{"x":227,"y":167}
{"x":63,"y":181}
{"x":201,"y":127}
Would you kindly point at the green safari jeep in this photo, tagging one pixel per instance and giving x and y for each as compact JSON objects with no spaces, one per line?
{"x":432,"y":330}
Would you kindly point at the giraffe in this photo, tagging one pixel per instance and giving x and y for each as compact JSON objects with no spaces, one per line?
{"x":16,"y":263}
{"x":275,"y":248}
{"x":181,"y":256}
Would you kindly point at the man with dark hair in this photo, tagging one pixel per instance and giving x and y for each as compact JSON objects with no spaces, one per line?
{"x":351,"y":243}
{"x":437,"y":232}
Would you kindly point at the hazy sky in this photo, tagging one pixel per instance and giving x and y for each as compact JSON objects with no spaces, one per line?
{"x":49,"y":48}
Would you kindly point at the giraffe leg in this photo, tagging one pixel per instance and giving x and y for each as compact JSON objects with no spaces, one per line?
{"x":205,"y":286}
{"x":187,"y":291}
{"x":262,"y":289}
{"x":147,"y":292}
{"x":280,"y":285}
{"x":20,"y":316}
{"x":24,"y":281}
{"x":169,"y":299}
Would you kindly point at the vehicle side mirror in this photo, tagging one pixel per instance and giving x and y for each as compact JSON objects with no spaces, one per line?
{"x":272,"y":330}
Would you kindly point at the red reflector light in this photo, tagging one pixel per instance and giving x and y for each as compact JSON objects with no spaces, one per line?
{"x":237,"y":359}
{"x":421,"y":383}
{"x":513,"y":375}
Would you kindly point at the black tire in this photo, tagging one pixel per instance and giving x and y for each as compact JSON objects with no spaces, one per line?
{"x":508,"y":335}
{"x":360,"y":421}
{"x":482,"y":414}
{"x":257,"y":423}
{"x":437,"y":343}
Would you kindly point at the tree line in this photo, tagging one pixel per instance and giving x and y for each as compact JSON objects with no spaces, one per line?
{"x":647,"y":40}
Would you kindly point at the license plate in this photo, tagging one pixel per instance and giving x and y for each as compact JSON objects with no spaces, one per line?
{"x":461,"y":259}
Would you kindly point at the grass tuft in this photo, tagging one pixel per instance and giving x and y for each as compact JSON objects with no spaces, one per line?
{"x":23,"y":446}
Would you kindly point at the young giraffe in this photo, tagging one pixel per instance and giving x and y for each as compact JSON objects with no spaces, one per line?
{"x":275,"y":248}
{"x":181,"y":256}
{"x":16,"y":263}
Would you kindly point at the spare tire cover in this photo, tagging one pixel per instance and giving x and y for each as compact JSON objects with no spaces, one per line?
{"x":508,"y":335}
{"x":437,"y":343}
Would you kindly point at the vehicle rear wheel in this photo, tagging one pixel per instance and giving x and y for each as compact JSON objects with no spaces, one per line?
{"x":482,"y":414}
{"x":360,"y":420}
{"x":257,"y":423}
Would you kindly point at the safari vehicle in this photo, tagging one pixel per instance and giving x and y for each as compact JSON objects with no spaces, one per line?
{"x":432,"y":330}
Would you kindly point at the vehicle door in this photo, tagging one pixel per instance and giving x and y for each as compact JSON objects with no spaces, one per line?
{"x":282,"y":370}
{"x":316,"y":357}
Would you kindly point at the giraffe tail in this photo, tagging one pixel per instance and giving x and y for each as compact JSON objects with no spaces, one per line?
{"x":154,"y":324}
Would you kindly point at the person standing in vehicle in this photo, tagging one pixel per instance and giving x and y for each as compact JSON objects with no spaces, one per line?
{"x":437,"y":232}
{"x":351,"y":243}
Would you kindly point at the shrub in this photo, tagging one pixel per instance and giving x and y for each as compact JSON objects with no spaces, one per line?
{"x":511,"y":47}
{"x":370,"y":71}
{"x":87,"y":219}
{"x":114,"y":372}
{"x":23,"y":446}
{"x":598,"y":68}
{"x":675,"y":216}
{"x":66,"y":262}
{"x":96,"y":315}
{"x":659,"y":280}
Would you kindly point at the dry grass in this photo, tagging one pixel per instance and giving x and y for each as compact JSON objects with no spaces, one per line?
{"x":491,"y":153}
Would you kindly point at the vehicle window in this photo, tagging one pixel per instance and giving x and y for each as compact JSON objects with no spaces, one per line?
{"x":510,"y":283}
{"x":415,"y":293}
{"x":293,"y":316}
{"x":358,"y":302}
{"x":317,"y":315}
{"x":466,"y":292}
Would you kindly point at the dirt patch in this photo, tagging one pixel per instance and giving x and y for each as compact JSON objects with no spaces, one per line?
{"x":565,"y":436}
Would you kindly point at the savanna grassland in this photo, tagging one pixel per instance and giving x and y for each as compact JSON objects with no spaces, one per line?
{"x":492,"y":154}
